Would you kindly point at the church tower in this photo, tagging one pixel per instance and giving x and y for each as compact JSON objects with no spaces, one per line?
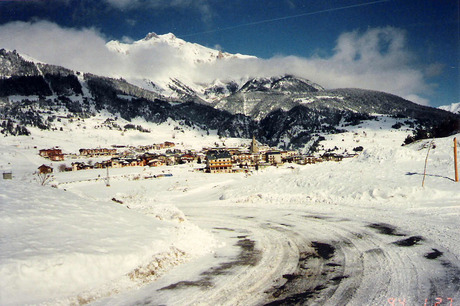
{"x":254,"y":147}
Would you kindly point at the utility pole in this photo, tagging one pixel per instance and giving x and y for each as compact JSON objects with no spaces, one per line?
{"x":455,"y":159}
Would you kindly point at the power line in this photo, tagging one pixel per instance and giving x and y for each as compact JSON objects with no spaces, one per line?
{"x":284,"y":18}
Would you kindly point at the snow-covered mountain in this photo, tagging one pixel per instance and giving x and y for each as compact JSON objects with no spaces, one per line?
{"x":179,"y":79}
{"x":453,"y":108}
{"x":193,"y":53}
{"x":259,"y":96}
{"x":284,"y":111}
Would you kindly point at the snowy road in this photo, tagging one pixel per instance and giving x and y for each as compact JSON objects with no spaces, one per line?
{"x":287,"y":256}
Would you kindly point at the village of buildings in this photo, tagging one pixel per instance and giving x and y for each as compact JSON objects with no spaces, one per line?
{"x":212,"y":160}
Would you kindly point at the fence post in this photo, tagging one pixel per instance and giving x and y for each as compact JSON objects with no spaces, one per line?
{"x":426,"y":161}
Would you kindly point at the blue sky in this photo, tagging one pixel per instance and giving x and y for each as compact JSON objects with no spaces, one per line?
{"x":308,"y":29}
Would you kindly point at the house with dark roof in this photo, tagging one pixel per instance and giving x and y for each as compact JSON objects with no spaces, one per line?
{"x":273,"y":157}
{"x":45,"y":169}
{"x":219,"y":162}
{"x":52,"y":154}
{"x":331,"y":157}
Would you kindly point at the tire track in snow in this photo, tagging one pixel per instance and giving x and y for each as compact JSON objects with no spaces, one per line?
{"x":332,"y":278}
{"x":295,"y":263}
{"x":226,"y":288}
{"x":376,"y":269}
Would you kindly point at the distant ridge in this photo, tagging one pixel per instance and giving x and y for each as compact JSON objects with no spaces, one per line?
{"x":284,"y":111}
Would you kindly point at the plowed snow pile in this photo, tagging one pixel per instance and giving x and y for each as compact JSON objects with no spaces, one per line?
{"x":58,"y":247}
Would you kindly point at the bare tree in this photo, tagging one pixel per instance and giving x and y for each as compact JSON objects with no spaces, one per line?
{"x":62,"y":167}
{"x":43,"y":178}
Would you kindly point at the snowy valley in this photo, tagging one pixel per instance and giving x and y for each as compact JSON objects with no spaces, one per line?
{"x":359,"y":231}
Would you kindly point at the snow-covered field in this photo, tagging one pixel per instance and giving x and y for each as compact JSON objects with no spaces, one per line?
{"x":359,"y":232}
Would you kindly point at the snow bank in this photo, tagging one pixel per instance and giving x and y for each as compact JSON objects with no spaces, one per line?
{"x":381,"y":174}
{"x":57,"y":246}
{"x":148,"y":206}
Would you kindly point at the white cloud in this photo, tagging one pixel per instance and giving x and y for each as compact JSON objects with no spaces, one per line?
{"x":85,"y":50}
{"x":127,"y":40}
{"x":417,"y":99}
{"x":376,"y":59}
{"x":77,"y":49}
{"x":434,"y":70}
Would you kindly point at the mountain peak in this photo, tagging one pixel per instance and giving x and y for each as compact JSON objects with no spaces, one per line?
{"x":150,"y":36}
{"x":163,"y":37}
{"x":169,"y":36}
{"x":285,"y":83}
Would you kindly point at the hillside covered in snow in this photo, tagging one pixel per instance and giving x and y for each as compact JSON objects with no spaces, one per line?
{"x":453,"y":108}
{"x":192,"y":237}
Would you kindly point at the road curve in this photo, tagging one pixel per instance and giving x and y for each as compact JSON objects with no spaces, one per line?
{"x":289,"y":256}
